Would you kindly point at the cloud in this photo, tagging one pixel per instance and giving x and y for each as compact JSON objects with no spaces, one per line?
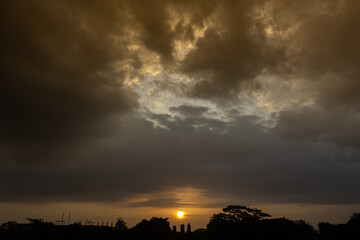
{"x":339,"y":127}
{"x":327,"y":53}
{"x":305,"y":123}
{"x":243,"y":163}
{"x":324,"y":54}
{"x":58,"y":80}
{"x":231,"y":54}
{"x":161,"y":203}
{"x":71,"y":128}
{"x":153,"y":27}
{"x":189,"y":110}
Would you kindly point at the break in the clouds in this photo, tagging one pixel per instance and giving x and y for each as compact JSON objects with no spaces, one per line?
{"x":125,"y":101}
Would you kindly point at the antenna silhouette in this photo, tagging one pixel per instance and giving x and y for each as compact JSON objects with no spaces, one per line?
{"x":61,"y":222}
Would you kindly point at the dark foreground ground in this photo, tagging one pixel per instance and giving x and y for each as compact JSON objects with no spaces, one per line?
{"x":236,"y":222}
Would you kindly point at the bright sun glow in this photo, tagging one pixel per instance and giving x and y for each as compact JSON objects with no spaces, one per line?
{"x":180,"y":214}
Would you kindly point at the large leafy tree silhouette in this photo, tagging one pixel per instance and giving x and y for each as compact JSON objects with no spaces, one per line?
{"x":238,"y":213}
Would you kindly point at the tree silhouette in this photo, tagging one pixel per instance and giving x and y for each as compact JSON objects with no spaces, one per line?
{"x":8,"y":225}
{"x":155,"y":228}
{"x":120,"y":225}
{"x":354,"y":219}
{"x":239,"y":213}
{"x":235,"y":221}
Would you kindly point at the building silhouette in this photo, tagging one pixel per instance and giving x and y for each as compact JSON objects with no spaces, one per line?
{"x":188,"y":229}
{"x":182,"y":228}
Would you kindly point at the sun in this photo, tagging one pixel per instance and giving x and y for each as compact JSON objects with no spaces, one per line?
{"x":180,"y":214}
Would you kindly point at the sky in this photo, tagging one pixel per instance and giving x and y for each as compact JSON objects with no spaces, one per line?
{"x":138,"y":109}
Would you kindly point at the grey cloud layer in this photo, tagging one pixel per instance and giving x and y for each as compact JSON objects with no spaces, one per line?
{"x":243,"y":163}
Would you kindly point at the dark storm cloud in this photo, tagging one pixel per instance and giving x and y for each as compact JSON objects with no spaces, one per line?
{"x":324,"y":51}
{"x":57,"y":66}
{"x":231,"y":54}
{"x":57,"y":77}
{"x":329,"y":53}
{"x":62,"y":98}
{"x":320,"y":46}
{"x":154,"y":28}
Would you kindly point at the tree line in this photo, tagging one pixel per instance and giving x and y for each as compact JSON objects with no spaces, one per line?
{"x":234,"y":222}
